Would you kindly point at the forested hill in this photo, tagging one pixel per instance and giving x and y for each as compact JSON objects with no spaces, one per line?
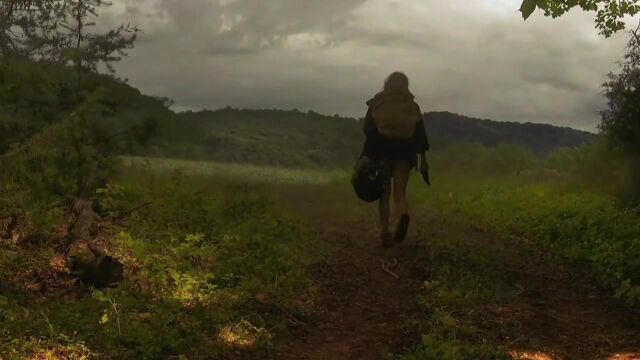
{"x":309,"y":139}
{"x":269,"y":137}
{"x":446,"y":127}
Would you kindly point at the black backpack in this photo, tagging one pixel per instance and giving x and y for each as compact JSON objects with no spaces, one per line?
{"x":370,"y":179}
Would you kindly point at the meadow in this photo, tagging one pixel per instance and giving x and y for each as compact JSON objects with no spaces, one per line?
{"x":218,"y":267}
{"x":573,"y":205}
{"x":130,"y":231}
{"x":236,"y":172}
{"x":211,"y":269}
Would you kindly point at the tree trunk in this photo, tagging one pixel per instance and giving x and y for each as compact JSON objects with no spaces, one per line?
{"x":7,"y":225}
{"x":88,"y":260}
{"x":81,"y":250}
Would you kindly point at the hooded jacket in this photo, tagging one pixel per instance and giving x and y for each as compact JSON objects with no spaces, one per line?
{"x":394,"y":144}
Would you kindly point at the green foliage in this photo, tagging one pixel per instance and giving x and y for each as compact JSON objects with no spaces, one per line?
{"x":460,"y":278}
{"x":57,"y":31}
{"x":310,"y":140}
{"x":32,"y":97}
{"x":610,"y":13}
{"x":433,"y":348}
{"x":60,"y":143}
{"x":596,"y":168}
{"x":558,"y":206}
{"x":528,"y":7}
{"x":264,"y":137}
{"x":448,"y":128}
{"x":569,"y":217}
{"x":62,"y":161}
{"x":503,"y":161}
{"x":253,"y":175}
{"x":112,"y":200}
{"x":36,"y":95}
{"x":195,"y":261}
{"x":621,"y":119}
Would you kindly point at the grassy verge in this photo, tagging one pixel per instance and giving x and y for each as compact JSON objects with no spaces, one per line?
{"x":212,"y":268}
{"x":588,"y":229}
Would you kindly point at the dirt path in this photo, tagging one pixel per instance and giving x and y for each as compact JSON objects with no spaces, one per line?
{"x":362,"y":312}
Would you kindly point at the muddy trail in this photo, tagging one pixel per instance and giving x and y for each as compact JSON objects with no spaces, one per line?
{"x":367,"y":305}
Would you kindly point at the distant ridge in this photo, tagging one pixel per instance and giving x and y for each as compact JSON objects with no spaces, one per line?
{"x":308,"y":139}
{"x":288,"y":138}
{"x":445,"y":128}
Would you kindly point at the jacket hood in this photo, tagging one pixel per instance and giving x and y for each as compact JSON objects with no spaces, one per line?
{"x":399,"y":96}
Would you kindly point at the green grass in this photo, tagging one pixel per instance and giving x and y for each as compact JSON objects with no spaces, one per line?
{"x":588,"y":229}
{"x":578,"y":223}
{"x":211,"y":270}
{"x":460,"y":279}
{"x":213,"y":263}
{"x":237,"y":172}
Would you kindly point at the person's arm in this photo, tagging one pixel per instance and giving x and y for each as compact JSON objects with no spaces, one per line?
{"x":421,"y":142}
{"x":369,"y":130}
{"x":369,"y":126}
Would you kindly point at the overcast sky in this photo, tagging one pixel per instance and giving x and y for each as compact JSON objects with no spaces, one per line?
{"x":474,"y":57}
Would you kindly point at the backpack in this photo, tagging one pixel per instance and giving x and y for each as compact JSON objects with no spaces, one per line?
{"x":396,"y":115}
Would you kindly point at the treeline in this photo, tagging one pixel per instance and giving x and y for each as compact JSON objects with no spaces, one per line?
{"x":263,"y":137}
{"x":593,"y":168}
{"x":308,"y":139}
{"x":542,"y":139}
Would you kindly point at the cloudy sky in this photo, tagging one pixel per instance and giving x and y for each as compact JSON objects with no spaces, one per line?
{"x":474,"y":57}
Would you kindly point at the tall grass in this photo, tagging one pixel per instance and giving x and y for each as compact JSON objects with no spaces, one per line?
{"x":574,"y":204}
{"x":253,"y":174}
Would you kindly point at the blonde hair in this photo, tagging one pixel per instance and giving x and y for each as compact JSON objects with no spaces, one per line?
{"x":396,"y":82}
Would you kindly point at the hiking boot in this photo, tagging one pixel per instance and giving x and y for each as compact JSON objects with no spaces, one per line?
{"x":385,"y":237}
{"x":402,"y":229}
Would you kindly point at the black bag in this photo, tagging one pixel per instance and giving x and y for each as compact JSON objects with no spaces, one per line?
{"x":370,"y":179}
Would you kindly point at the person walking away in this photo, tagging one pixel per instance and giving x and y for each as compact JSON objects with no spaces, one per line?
{"x":396,"y":138}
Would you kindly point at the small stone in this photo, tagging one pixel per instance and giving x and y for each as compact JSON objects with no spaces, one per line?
{"x":262,"y":299}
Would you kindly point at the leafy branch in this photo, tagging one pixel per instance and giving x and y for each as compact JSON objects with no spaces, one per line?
{"x":610,"y":14}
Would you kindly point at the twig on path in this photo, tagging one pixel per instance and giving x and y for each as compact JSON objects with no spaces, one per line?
{"x":514,"y":341}
{"x":387,"y":266}
{"x":289,"y":315}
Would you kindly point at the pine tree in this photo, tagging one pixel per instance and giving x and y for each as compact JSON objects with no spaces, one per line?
{"x":59,"y":31}
{"x":84,"y":49}
{"x":60,"y":161}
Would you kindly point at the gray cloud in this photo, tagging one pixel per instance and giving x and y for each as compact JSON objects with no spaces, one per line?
{"x":476,"y":58}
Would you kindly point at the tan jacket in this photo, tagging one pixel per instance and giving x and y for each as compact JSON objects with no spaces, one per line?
{"x":396,"y":114}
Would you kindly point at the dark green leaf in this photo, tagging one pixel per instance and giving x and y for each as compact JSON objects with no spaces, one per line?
{"x":527,"y":8}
